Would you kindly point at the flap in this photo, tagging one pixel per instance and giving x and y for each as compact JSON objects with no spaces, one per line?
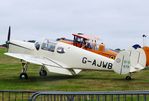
{"x":58,"y":70}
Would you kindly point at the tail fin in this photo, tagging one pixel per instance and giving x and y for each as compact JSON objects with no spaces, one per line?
{"x":122,"y":63}
{"x":130,"y":61}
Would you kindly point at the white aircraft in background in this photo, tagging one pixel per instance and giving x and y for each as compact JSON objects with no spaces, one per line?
{"x":62,"y":58}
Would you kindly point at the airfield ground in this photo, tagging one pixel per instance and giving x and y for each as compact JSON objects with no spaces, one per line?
{"x":10,"y":69}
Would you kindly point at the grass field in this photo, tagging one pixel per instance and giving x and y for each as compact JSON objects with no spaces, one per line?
{"x":10,"y":69}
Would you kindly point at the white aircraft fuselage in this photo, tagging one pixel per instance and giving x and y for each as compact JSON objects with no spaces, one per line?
{"x":62,"y":58}
{"x":62,"y":53}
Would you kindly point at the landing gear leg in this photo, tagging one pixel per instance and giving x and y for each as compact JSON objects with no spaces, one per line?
{"x":24,"y":75}
{"x":129,"y":77}
{"x":42,"y":71}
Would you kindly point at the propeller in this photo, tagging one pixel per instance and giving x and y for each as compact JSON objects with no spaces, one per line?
{"x":8,"y":37}
{"x":9,"y":33}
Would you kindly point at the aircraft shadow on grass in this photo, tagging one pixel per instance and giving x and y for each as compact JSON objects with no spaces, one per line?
{"x":74,"y":77}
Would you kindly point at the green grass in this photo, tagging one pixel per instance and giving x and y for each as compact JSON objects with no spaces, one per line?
{"x":10,"y":69}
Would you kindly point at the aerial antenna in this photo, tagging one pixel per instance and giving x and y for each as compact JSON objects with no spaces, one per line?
{"x":144,"y":36}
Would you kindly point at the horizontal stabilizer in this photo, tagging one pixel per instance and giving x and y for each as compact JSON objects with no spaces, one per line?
{"x":136,"y":68}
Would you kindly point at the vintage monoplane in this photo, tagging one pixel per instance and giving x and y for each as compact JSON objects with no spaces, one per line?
{"x":60,"y":57}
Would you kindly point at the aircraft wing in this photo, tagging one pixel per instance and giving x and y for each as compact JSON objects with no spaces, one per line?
{"x":33,"y":59}
{"x":50,"y":64}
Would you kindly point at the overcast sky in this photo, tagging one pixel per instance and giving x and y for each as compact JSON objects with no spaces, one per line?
{"x":118,"y":23}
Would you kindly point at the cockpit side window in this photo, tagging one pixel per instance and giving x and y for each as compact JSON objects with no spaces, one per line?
{"x":44,"y":46}
{"x":49,"y":46}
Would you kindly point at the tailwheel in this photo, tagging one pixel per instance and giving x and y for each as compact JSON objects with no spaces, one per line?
{"x":43,"y":73}
{"x":128,"y":78}
{"x":23,"y":76}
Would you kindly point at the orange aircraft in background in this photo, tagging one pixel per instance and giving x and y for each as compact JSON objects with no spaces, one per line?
{"x":146,"y":49}
{"x":88,"y":42}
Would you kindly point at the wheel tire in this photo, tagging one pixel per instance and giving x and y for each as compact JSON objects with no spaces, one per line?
{"x":128,"y":78}
{"x":43,"y":73}
{"x":23,"y":76}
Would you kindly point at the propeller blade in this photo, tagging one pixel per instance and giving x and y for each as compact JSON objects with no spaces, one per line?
{"x":9,"y":33}
{"x":8,"y":38}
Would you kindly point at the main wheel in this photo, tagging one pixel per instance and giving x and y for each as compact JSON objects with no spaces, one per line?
{"x":23,"y":76}
{"x":43,"y":73}
{"x":128,"y":78}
